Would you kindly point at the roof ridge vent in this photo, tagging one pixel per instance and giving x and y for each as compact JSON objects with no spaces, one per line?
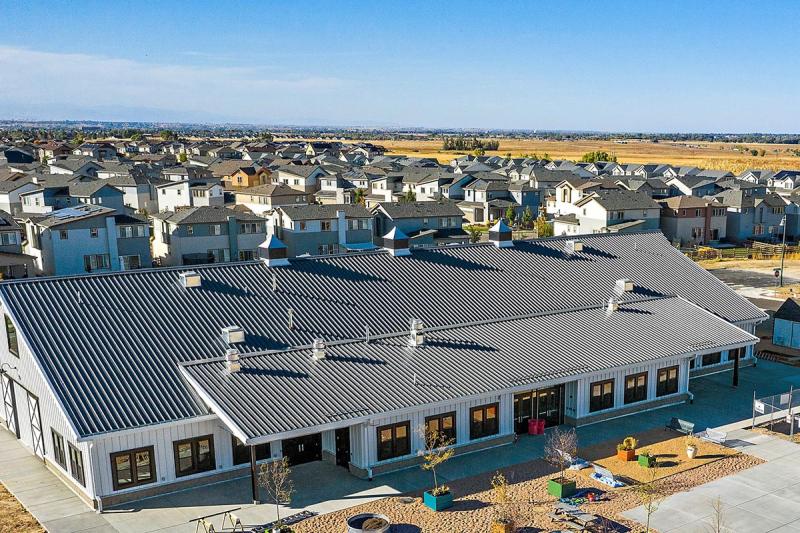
{"x":622,"y":286}
{"x":396,"y":242}
{"x":573,"y":247}
{"x":319,"y":348}
{"x":232,"y":334}
{"x":500,"y":235}
{"x":232,"y":364}
{"x":416,"y":335}
{"x":273,"y":252}
{"x":190,"y":279}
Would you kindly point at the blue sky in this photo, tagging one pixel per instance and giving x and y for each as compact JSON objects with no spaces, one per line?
{"x":612,"y":66}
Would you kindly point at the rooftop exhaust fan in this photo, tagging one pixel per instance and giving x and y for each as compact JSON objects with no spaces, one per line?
{"x":232,"y":364}
{"x":190,"y":279}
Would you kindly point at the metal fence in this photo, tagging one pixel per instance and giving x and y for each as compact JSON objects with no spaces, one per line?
{"x":784,"y":406}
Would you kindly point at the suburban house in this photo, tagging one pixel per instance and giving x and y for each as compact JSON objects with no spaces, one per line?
{"x":786,"y":325}
{"x":13,"y":263}
{"x":302,"y":177}
{"x":752,"y":217}
{"x":424,"y":223}
{"x":262,"y":199}
{"x":690,"y":221}
{"x":694,"y":185}
{"x":570,"y":191}
{"x":264,"y":345}
{"x":610,"y":211}
{"x":173,"y":195}
{"x":209,"y":234}
{"x":181,"y":173}
{"x":784,"y":179}
{"x":56,"y":194}
{"x":77,"y":166}
{"x":653,"y":187}
{"x":10,"y":194}
{"x":323,"y":229}
{"x":87,"y":238}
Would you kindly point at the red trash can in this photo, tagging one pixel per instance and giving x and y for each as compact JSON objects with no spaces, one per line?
{"x":532,"y":426}
{"x":540,"y":426}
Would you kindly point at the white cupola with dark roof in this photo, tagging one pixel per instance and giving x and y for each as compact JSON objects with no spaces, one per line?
{"x":396,"y":242}
{"x":273,"y":252}
{"x":500,"y":235}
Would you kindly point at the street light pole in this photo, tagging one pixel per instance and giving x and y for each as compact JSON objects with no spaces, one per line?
{"x":783,"y":246}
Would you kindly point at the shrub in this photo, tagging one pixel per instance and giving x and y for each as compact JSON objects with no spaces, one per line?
{"x":629,"y":443}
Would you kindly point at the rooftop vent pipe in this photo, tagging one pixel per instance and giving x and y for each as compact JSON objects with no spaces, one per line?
{"x":573,"y":247}
{"x":190,"y":279}
{"x":232,"y":361}
{"x":319,"y":348}
{"x":417,"y":337}
{"x":612,"y":306}
{"x":232,"y":334}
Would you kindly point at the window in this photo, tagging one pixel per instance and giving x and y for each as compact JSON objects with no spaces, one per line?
{"x":635,"y":388}
{"x":221,"y":255}
{"x":712,"y":358}
{"x":325,"y":225}
{"x":96,"y":262}
{"x":215,"y":229}
{"x":602,"y":395}
{"x":59,"y":454}
{"x":241,"y":452}
{"x":125,"y":232}
{"x":250,"y":227}
{"x":300,"y":225}
{"x":11,"y":335}
{"x":63,"y":234}
{"x":129,"y":262}
{"x":246,"y":255}
{"x":483,"y":421}
{"x":133,"y":467}
{"x":394,"y":441}
{"x":9,"y":238}
{"x":76,"y":464}
{"x":194,"y":455}
{"x":444,"y":424}
{"x":190,"y":230}
{"x":94,"y":233}
{"x":667,"y":381}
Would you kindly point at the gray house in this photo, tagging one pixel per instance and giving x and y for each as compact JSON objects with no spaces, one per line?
{"x":323,"y":229}
{"x":424,"y":223}
{"x":754,"y":217}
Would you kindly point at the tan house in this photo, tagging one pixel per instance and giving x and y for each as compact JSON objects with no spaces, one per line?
{"x":239,"y":174}
{"x":264,"y":198}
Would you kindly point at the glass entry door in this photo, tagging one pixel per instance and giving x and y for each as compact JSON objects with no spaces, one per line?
{"x":549,"y":405}
{"x":523,"y":411}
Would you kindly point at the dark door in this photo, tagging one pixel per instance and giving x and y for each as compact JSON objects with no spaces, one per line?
{"x":549,"y":405}
{"x":523,"y":410}
{"x":9,"y":404}
{"x":343,"y":447}
{"x":303,"y":449}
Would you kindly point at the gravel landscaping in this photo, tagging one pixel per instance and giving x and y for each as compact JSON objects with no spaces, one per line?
{"x":472,"y":511}
{"x":13,"y":517}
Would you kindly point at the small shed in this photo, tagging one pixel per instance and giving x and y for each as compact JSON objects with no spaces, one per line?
{"x":786,"y":327}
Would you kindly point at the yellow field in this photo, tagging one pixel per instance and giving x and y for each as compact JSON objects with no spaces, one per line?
{"x":721,"y":156}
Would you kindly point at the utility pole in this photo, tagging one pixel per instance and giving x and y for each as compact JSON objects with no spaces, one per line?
{"x":783,"y":246}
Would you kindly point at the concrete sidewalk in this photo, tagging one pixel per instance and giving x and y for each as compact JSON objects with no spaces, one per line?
{"x":54,"y":505}
{"x":761,"y":499}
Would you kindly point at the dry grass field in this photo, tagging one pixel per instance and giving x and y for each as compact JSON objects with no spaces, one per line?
{"x":721,"y":156}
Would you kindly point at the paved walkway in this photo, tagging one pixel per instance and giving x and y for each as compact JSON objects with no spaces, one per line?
{"x":324,"y":488}
{"x":761,"y":499}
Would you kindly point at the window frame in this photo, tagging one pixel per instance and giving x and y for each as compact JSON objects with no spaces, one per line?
{"x":718,"y":359}
{"x":94,"y":233}
{"x":449,"y":434}
{"x":601,"y":404}
{"x":12,"y":337}
{"x":194,"y":443}
{"x":666,"y":389}
{"x":263,"y":451}
{"x":639,"y":392}
{"x":484,"y":432}
{"x":135,"y":482}
{"x":76,"y":466}
{"x":396,"y":451}
{"x":59,"y":450}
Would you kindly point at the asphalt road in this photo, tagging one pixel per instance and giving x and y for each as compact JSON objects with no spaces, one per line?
{"x":755,"y":286}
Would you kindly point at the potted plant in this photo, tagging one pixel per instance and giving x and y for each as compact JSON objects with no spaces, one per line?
{"x":560,"y":447}
{"x":691,"y":447}
{"x":626,"y":450}
{"x":645,"y":459}
{"x":274,"y":478}
{"x":438,"y":449}
{"x":502,"y":521}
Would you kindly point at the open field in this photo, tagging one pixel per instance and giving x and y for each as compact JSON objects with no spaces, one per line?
{"x":13,"y":517}
{"x":723,"y":156}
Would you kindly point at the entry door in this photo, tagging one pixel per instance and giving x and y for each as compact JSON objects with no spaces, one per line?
{"x":37,"y":439}
{"x":9,"y":404}
{"x":523,"y":410}
{"x":549,"y":403}
{"x":343,"y":447}
{"x":303,"y":449}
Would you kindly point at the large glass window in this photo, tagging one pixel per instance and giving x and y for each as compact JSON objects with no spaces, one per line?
{"x":194,"y":455}
{"x":444,"y":425}
{"x":636,"y":387}
{"x":59,"y":453}
{"x":241,"y":452}
{"x":667,"y":381}
{"x":712,"y":358}
{"x":133,"y":467}
{"x":601,"y":395}
{"x":394,"y":441}
{"x":11,"y":335}
{"x":484,"y":421}
{"x":76,"y":464}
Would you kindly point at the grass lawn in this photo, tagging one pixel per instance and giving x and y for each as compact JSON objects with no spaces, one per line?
{"x":13,"y":517}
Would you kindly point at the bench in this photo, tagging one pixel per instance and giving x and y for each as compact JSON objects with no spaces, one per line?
{"x":713,"y":435}
{"x":681,"y":426}
{"x":606,"y":476}
{"x":575,"y":463}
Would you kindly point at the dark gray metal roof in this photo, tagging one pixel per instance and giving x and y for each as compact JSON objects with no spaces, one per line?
{"x":287,"y":391}
{"x":109,"y":343}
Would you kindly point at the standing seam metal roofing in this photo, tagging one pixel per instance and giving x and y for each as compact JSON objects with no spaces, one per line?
{"x":109,"y":343}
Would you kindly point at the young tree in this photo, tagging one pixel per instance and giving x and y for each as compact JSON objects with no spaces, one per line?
{"x":274,"y":478}
{"x":650,"y":494}
{"x":474,"y":233}
{"x":360,"y":196}
{"x":527,"y":217}
{"x":501,"y":499}
{"x":167,"y":135}
{"x":543,"y":227}
{"x":182,"y":157}
{"x":409,"y":196}
{"x":438,"y":449}
{"x":717,"y":516}
{"x":511,"y":214}
{"x":561,"y":445}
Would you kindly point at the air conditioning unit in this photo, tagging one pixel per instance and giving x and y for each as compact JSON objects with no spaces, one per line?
{"x":572,"y":247}
{"x":190,"y":279}
{"x":232,"y":334}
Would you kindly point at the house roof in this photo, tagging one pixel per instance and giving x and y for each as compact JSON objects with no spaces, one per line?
{"x":205,"y":215}
{"x":70,"y":214}
{"x":385,"y":375}
{"x":324,"y":212}
{"x":333,"y":297}
{"x":396,"y":210}
{"x":688,"y":202}
{"x":789,"y":310}
{"x":302,"y":171}
{"x":271,"y":189}
{"x":619,"y":200}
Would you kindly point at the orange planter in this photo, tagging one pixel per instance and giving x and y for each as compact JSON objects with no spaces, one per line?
{"x":626,"y":455}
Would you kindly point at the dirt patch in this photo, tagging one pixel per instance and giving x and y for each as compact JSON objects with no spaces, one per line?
{"x":13,"y":517}
{"x":668,"y":449}
{"x":778,"y":429}
{"x":472,"y":510}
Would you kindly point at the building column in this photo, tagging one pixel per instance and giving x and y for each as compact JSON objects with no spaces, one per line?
{"x":254,"y":475}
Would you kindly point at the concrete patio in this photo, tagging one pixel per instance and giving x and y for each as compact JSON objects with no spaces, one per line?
{"x":323,"y":488}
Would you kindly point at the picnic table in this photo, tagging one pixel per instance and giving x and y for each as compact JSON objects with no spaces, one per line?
{"x":572,"y":517}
